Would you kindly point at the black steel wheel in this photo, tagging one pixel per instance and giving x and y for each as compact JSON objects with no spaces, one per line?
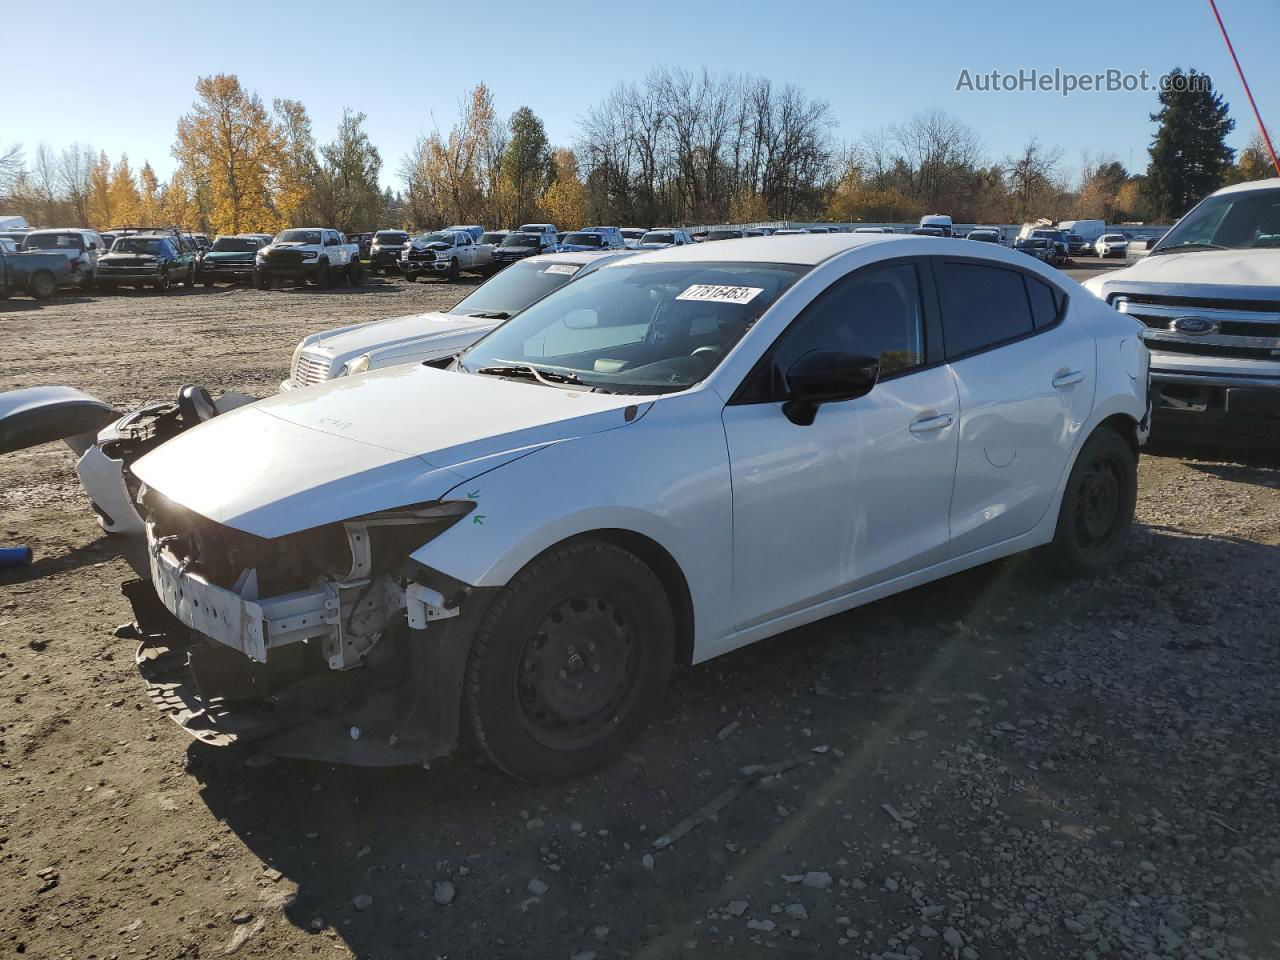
{"x":569,"y":662}
{"x":1097,"y":505}
{"x":42,"y":285}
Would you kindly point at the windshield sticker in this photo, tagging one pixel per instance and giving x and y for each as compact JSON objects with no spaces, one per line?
{"x":715,"y":293}
{"x":566,"y":269}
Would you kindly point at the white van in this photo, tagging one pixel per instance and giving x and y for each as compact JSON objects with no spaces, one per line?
{"x":1090,"y":230}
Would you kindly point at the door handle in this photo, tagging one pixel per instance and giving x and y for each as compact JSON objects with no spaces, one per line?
{"x":925,"y":424}
{"x":1068,"y":379}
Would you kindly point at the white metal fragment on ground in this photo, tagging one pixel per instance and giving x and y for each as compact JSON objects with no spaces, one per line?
{"x":242,"y":935}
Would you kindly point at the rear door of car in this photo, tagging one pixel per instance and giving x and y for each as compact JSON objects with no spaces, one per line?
{"x":1025,"y":372}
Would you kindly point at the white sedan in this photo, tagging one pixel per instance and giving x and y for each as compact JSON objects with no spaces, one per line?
{"x":661,"y":462}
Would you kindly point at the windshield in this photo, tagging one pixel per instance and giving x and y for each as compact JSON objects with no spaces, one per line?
{"x":515,"y":288}
{"x":1114,"y":237}
{"x":234,"y":245}
{"x":655,"y":237}
{"x":1233,"y":221}
{"x":533,"y":228}
{"x":438,"y":237}
{"x":492,"y":237}
{"x":636,"y":327}
{"x":390,"y":236}
{"x":53,"y":241}
{"x":585,"y":239}
{"x":725,"y":235}
{"x":631,"y":233}
{"x":148,"y":245}
{"x":299,"y":236}
{"x":521,"y":240}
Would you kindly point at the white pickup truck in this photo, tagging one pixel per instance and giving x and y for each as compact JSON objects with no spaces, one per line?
{"x":318,"y":254}
{"x":448,"y":252}
{"x":1208,"y":294}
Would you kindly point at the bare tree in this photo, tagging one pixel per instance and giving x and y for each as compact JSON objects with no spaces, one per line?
{"x":75,"y":165}
{"x":1033,"y":181}
{"x":11,"y":167}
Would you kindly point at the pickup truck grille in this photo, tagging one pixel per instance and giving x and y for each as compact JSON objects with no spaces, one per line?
{"x":286,"y":258}
{"x":312,"y":368}
{"x":1235,"y":329}
{"x":425,"y":256}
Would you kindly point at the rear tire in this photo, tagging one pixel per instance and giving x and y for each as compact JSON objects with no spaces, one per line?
{"x":569,"y":662}
{"x":190,"y":281}
{"x":106,"y":286}
{"x":355,"y":273}
{"x":163,"y":284}
{"x":1097,"y":506}
{"x":42,"y":286}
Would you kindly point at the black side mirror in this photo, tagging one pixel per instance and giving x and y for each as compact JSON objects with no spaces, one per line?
{"x":827,"y":376}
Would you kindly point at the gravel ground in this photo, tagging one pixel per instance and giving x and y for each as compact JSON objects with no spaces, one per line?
{"x":998,"y":765}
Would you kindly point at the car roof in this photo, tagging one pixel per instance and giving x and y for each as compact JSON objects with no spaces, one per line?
{"x":1271,"y":184}
{"x":810,"y":249}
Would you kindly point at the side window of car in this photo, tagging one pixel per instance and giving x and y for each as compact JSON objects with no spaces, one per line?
{"x":982,"y":306}
{"x":875,"y":313}
{"x":1046,"y":302}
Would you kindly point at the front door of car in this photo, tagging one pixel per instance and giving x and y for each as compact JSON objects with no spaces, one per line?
{"x":862,"y":493}
{"x":1025,"y":373}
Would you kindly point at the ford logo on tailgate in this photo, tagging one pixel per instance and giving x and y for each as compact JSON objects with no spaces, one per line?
{"x":1193,"y":326}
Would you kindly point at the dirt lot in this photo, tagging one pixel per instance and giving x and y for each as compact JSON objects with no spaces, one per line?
{"x":999,"y":765}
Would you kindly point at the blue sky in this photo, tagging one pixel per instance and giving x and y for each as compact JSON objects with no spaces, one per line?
{"x":876,"y":64}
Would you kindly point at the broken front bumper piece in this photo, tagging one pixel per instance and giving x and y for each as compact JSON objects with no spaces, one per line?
{"x":294,"y":672}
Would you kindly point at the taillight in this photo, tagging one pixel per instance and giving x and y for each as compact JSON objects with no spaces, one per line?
{"x":76,"y":262}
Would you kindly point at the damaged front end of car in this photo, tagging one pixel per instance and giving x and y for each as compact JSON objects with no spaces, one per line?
{"x":329,"y":643}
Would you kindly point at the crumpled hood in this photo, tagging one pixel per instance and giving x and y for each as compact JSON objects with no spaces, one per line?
{"x":1246,"y":268}
{"x":360,"y":444}
{"x":394,"y":331}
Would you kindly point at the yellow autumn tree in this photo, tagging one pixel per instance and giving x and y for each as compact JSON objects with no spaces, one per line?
{"x":124,"y":199}
{"x":296,"y":177}
{"x":853,"y":201}
{"x":565,"y":201}
{"x":748,"y":207}
{"x":149,"y":212}
{"x":98,"y":200}
{"x":230,"y":145}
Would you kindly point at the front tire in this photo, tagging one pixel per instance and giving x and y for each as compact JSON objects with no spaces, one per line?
{"x":164,"y":282}
{"x":569,"y":662}
{"x":262,"y":279}
{"x":1097,"y":506}
{"x":452,"y":274}
{"x":322,"y":275}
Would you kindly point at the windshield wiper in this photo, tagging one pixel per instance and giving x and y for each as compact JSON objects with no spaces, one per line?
{"x":1189,"y":245}
{"x":490,"y":314}
{"x":527,"y":370}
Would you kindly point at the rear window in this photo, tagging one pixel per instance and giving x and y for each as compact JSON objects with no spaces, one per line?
{"x":585,"y":239}
{"x":658,"y":238}
{"x":53,"y":241}
{"x":981,"y":306}
{"x":492,"y":237}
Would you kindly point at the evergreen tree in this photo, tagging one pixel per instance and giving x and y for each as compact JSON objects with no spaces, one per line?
{"x":1189,"y":156}
{"x":527,"y":165}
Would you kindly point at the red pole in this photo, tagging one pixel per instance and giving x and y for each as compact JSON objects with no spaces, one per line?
{"x":1247,"y":92}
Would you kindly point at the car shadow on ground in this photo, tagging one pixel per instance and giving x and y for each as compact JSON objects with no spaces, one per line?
{"x":23,"y":305}
{"x":1239,"y":461}
{"x":854,"y":683}
{"x":103,"y":548}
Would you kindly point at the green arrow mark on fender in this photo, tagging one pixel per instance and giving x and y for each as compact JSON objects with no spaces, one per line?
{"x":478,"y":519}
